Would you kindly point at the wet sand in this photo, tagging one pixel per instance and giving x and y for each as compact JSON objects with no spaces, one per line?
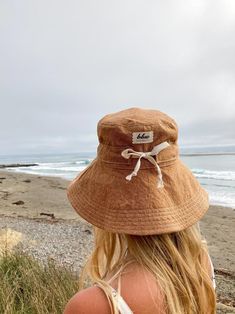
{"x":44,"y":199}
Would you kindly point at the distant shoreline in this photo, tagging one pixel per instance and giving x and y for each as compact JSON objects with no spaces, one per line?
{"x":17,"y":165}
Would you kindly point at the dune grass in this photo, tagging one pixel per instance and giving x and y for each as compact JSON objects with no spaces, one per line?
{"x":30,"y":287}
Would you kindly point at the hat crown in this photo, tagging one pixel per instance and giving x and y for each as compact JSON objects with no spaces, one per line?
{"x":137,"y":128}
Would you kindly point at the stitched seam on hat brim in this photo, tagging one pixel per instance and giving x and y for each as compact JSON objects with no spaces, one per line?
{"x":173,"y":227}
{"x":128,"y":229}
{"x":181,"y":219}
{"x":178,"y":207}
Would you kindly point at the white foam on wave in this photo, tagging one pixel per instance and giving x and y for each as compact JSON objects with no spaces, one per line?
{"x":55,"y":164}
{"x":68,"y":168}
{"x":73,"y":166}
{"x":222,"y":198}
{"x":85,"y":161}
{"x":217,"y":175}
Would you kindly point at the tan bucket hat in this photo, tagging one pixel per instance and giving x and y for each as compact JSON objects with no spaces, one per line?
{"x":137,"y":184}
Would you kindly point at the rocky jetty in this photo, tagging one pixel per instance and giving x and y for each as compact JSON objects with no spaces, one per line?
{"x":17,"y":165}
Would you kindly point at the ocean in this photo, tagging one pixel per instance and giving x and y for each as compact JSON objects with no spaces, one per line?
{"x":216,"y":173}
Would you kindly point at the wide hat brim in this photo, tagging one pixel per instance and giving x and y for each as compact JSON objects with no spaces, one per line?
{"x":102,"y":196}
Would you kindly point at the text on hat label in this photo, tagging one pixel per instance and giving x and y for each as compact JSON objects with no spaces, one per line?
{"x":142,"y":137}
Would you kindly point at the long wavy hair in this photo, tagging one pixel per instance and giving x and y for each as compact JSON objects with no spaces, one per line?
{"x":179,"y":262}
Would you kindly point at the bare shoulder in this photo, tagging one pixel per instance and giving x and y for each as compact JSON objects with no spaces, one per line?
{"x":88,"y":301}
{"x":140,"y":290}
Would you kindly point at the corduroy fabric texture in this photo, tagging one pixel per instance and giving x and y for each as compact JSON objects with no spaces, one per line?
{"x":102,"y":195}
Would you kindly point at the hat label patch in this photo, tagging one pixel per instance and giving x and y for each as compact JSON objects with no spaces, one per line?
{"x":142,"y":137}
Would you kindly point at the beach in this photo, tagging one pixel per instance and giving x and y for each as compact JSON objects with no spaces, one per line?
{"x":37,"y":207}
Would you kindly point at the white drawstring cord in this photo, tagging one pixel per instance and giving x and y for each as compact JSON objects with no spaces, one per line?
{"x":129,"y":152}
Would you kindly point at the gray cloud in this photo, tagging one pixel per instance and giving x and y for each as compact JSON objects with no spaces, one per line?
{"x":64,"y":65}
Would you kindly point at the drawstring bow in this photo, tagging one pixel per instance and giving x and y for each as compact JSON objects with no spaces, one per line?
{"x":129,"y":152}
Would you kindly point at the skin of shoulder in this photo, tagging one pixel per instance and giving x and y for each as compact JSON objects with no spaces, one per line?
{"x":140,"y":290}
{"x":88,"y":301}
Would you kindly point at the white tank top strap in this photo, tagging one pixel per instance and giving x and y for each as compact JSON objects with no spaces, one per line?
{"x":123,"y":308}
{"x":122,"y":305}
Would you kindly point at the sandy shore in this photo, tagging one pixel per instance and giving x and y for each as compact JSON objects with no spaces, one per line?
{"x":40,"y":194}
{"x":39,"y":199}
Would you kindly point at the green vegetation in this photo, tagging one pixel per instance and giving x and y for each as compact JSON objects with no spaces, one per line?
{"x":30,"y":287}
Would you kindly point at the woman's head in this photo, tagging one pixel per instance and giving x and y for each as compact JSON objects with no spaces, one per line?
{"x":138,"y":188}
{"x":177,"y":260}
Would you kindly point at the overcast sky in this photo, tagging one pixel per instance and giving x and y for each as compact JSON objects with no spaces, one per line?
{"x":65,"y":64}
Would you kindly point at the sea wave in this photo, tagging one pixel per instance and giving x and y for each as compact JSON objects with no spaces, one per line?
{"x":85,"y":161}
{"x":66,"y":163}
{"x":61,"y":168}
{"x":67,"y":170}
{"x":222,"y":198}
{"x":217,"y":175}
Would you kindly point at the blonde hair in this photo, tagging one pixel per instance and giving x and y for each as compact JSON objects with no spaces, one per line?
{"x":179,"y":262}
